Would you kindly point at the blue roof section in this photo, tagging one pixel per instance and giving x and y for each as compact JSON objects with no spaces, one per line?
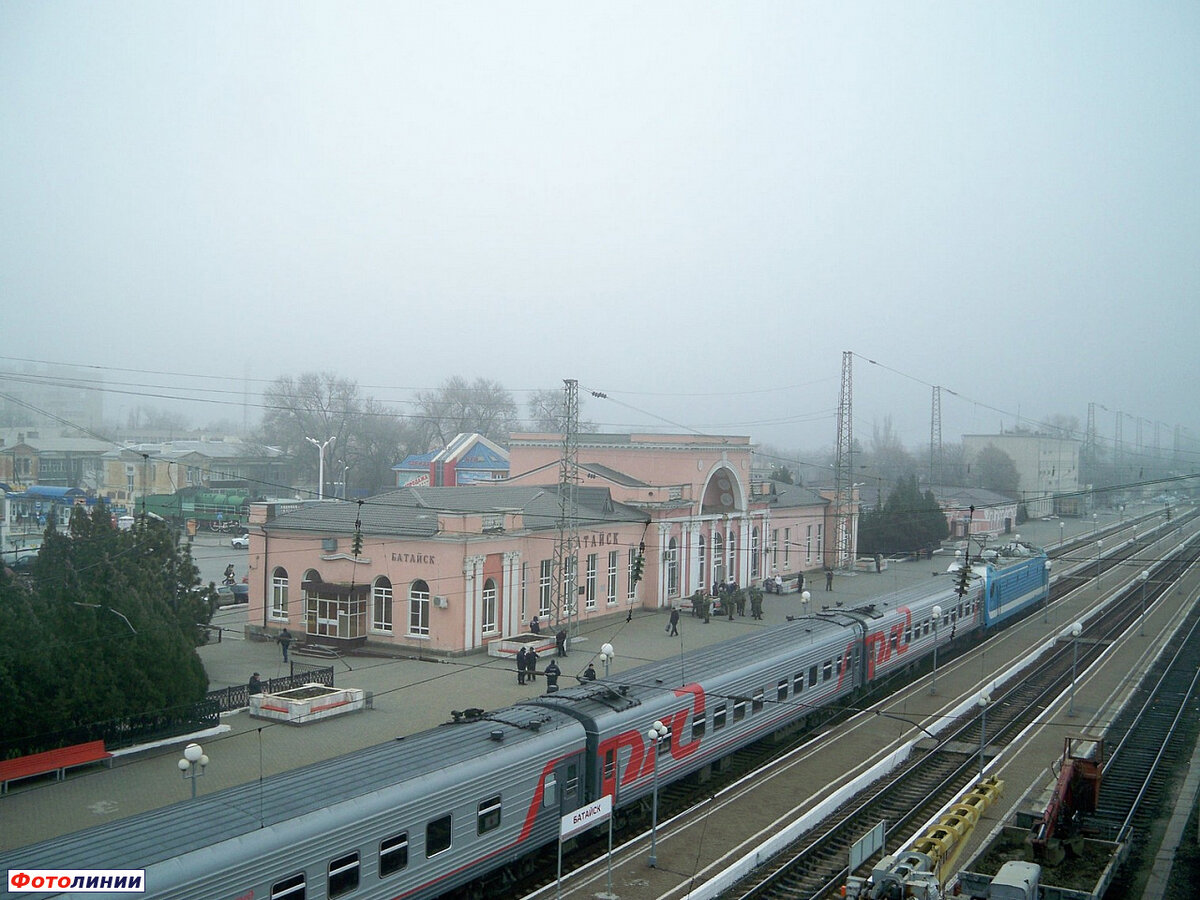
{"x":50,"y":492}
{"x":416,"y":461}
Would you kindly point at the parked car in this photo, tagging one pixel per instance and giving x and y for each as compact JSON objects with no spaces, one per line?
{"x":240,"y":542}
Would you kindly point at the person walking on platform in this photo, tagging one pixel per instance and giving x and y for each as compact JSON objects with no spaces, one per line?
{"x":285,"y":641}
{"x":531,"y":659}
{"x":756,"y":599}
{"x":521,"y":666}
{"x":829,"y":579}
{"x":673,"y":622}
{"x":560,"y":641}
{"x":552,"y":672}
{"x":799,"y":582}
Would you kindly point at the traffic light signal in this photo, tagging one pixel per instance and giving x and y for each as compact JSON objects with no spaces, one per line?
{"x":639,"y":564}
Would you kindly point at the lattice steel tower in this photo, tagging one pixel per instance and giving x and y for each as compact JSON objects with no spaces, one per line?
{"x":935,"y":437}
{"x":564,"y":601}
{"x":844,"y":471}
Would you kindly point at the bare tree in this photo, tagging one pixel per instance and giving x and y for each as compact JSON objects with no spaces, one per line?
{"x":368,"y":438}
{"x":458,"y":406}
{"x":546,"y":412}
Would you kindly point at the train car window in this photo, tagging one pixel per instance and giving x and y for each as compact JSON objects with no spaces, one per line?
{"x":781,"y":693}
{"x":664,"y":742}
{"x":812,"y":676}
{"x":289,"y":889}
{"x":610,"y":764}
{"x":343,"y":875}
{"x":550,"y":794}
{"x":797,"y":682}
{"x":719,"y":717}
{"x":739,"y":710}
{"x":827,"y":670}
{"x":756,"y":702}
{"x":697,"y":726}
{"x":960,"y":610}
{"x":837,"y":664}
{"x":393,"y":854}
{"x":437,"y":836}
{"x":908,"y":632}
{"x":926,"y":630}
{"x":489,"y":815}
{"x":572,"y":781}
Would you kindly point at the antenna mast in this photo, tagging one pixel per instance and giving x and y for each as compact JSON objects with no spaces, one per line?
{"x":565,"y":601}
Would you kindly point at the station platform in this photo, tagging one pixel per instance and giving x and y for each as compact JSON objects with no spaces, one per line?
{"x":409,"y":695}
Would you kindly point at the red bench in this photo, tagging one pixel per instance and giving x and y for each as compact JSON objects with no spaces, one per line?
{"x":56,"y":761}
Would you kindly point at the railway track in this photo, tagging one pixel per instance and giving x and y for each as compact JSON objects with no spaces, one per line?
{"x":815,"y":866}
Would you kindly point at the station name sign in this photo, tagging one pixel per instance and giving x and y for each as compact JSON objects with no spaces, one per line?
{"x":425,"y":559}
{"x":585,"y":817}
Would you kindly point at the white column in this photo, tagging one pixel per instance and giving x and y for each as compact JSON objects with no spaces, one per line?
{"x":472,"y":587}
{"x":664,"y":534}
{"x":510,"y":621}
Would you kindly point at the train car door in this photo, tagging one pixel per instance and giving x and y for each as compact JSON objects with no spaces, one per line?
{"x":568,"y":778}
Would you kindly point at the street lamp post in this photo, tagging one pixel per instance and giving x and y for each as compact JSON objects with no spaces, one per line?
{"x":937,"y":615}
{"x":321,"y":465}
{"x":1062,"y":535}
{"x":1095,"y":523}
{"x":1046,"y":607}
{"x":805,"y":596}
{"x":1075,"y":630}
{"x":657,"y":732}
{"x":983,"y":701}
{"x":1144,"y":577}
{"x":1099,"y":547}
{"x":192,"y":764}
{"x":606,"y":656}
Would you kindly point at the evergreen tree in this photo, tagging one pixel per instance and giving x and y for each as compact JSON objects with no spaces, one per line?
{"x":106,"y":627}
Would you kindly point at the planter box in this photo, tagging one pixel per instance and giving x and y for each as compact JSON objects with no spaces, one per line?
{"x":507,"y":647}
{"x":307,"y":703}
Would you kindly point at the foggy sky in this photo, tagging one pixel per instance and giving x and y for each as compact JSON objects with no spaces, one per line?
{"x":694,"y":207}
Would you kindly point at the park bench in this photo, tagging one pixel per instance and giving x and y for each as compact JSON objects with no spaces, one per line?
{"x":56,"y":761}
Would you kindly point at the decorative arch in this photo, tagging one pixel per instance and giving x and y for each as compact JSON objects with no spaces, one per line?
{"x":723,"y":493}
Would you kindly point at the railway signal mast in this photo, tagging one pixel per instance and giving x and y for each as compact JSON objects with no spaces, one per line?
{"x":566,"y":551}
{"x":843,"y":478}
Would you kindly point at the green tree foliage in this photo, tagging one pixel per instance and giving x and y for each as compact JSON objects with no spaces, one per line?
{"x":782,"y":474}
{"x":994,"y":470}
{"x":907,"y":521}
{"x":107,"y":626}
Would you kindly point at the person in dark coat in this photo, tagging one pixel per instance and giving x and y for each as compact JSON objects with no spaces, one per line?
{"x":674,"y":622}
{"x":829,"y":579}
{"x":531,"y":659}
{"x":560,"y":641}
{"x":285,"y":641}
{"x":535,"y":625}
{"x":799,"y":581}
{"x":255,"y":686}
{"x":589,"y":674}
{"x":552,"y":672}
{"x":521,"y":666}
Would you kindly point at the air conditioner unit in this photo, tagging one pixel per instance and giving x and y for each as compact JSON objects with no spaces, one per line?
{"x":440,"y":601}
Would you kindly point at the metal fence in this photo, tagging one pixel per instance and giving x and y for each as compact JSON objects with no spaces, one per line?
{"x":130,"y":731}
{"x":238,"y":697}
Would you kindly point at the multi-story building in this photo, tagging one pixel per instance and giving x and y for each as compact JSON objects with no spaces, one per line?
{"x":1047,"y":468}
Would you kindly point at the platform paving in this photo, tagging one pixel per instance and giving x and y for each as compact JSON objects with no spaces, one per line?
{"x":409,"y":695}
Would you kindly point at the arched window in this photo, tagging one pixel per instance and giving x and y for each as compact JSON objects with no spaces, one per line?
{"x":672,"y":568}
{"x":731,"y":557}
{"x":718,"y":565}
{"x":754,"y":552}
{"x":279,"y":593}
{"x":487,"y":620}
{"x":418,"y":608}
{"x":381,"y":605}
{"x":702,"y":566}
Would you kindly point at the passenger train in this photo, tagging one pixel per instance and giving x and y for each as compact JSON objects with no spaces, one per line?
{"x":467,"y":802}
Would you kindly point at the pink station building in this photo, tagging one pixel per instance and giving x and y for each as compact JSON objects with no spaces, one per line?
{"x":446,"y":570}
